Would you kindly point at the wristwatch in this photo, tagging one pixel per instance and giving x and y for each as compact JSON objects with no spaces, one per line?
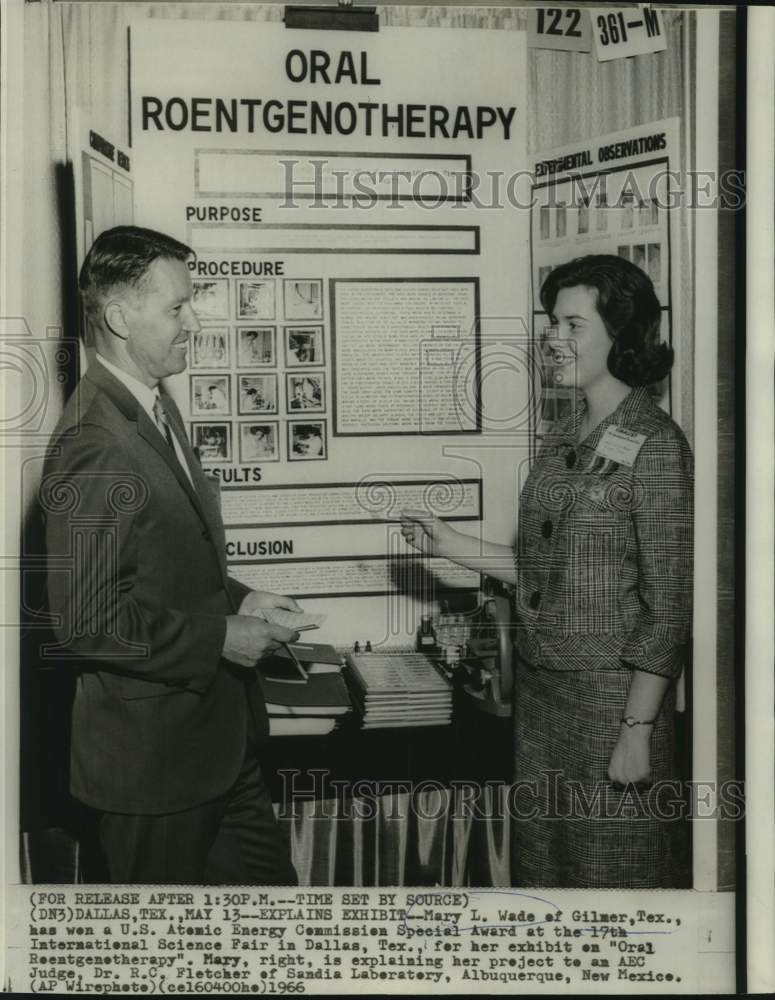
{"x":630,"y":721}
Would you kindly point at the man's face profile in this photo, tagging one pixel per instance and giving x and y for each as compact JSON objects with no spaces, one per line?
{"x":160,"y":319}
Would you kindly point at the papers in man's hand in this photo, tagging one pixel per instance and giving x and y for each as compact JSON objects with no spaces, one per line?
{"x":299,"y":621}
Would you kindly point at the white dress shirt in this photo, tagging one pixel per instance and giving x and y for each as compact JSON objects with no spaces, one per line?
{"x":147,"y":397}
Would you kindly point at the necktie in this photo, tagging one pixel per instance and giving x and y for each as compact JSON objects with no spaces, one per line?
{"x":162,"y":422}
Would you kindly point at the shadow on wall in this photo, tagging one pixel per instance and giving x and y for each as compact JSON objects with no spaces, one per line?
{"x":49,"y":818}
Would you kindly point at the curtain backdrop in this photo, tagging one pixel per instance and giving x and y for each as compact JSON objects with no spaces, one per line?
{"x":436,"y":837}
{"x":429,"y":837}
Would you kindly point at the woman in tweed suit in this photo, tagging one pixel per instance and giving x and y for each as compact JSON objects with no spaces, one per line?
{"x":603,"y":582}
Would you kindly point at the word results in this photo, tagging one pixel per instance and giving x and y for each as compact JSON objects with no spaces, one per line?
{"x":161,"y":941}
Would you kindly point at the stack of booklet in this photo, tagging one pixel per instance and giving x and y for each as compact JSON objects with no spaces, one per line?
{"x":399,"y":690}
{"x":299,"y":707}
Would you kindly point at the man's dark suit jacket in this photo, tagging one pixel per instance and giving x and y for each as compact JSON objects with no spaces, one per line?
{"x":138,"y":581}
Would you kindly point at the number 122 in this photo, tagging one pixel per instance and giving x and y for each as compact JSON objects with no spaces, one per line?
{"x":554,"y":15}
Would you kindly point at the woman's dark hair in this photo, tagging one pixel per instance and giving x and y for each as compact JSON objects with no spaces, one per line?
{"x":628,"y":306}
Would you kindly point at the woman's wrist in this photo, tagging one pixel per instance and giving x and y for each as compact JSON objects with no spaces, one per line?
{"x":632,"y":721}
{"x":635,"y":734}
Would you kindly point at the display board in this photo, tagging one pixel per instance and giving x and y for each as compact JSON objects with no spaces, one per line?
{"x":338,"y":189}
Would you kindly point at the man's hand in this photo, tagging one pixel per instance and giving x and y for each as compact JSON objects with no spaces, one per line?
{"x":258,"y":600}
{"x":248,"y":639}
{"x":630,"y":761}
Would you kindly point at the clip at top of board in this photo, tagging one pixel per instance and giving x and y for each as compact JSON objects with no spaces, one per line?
{"x":344,"y":17}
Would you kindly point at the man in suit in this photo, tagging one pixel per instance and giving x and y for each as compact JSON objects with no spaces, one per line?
{"x":168,"y":710}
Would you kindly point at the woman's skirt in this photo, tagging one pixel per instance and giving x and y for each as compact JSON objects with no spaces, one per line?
{"x":570,"y":826}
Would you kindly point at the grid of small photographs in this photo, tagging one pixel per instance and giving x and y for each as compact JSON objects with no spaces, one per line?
{"x":247,"y":379}
{"x":596,"y":216}
{"x":635,"y":226}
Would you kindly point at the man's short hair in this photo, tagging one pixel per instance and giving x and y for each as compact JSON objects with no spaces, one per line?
{"x":120,"y":258}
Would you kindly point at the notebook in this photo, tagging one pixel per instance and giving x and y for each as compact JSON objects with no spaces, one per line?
{"x":299,"y":621}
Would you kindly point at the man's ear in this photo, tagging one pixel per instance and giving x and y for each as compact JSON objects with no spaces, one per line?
{"x":116,"y":319}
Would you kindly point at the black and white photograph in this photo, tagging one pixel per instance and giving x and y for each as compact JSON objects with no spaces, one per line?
{"x":582,"y":224}
{"x":211,"y":298}
{"x":601,"y":213}
{"x":546,"y":223}
{"x":649,"y":212}
{"x":654,"y":251}
{"x":210,"y":348}
{"x":256,"y":347}
{"x":303,"y":298}
{"x":390,"y":538}
{"x":256,"y":299}
{"x":210,"y":395}
{"x":258,"y":442}
{"x":257,"y":394}
{"x":562,"y":221}
{"x":212,"y":441}
{"x":306,"y":392}
{"x":303,"y":346}
{"x":627,"y":212}
{"x":307,"y":440}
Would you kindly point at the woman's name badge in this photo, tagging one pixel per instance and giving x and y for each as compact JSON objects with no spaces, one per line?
{"x":620,"y":445}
